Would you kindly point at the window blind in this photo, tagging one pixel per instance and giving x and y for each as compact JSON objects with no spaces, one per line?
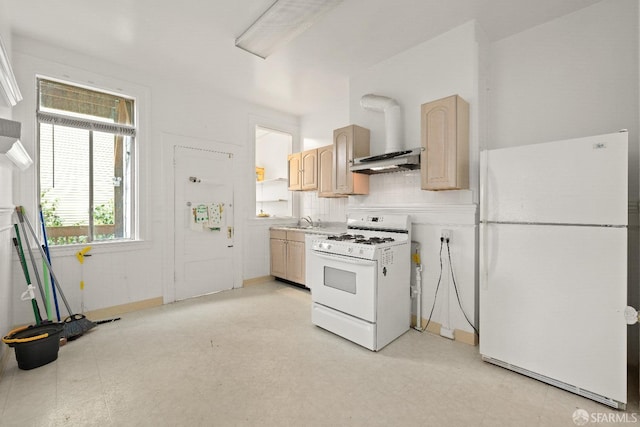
{"x":87,"y":124}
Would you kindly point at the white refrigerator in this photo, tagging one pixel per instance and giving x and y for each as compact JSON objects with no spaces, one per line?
{"x":553,"y":263}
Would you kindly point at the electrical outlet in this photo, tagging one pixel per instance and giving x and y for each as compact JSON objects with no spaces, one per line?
{"x":445,"y":234}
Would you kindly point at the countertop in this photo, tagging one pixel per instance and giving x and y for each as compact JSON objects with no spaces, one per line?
{"x":325,"y":228}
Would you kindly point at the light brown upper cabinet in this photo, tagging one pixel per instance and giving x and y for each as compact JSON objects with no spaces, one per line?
{"x":303,"y":170}
{"x":445,"y":141}
{"x":309,"y":169}
{"x":350,"y":142}
{"x":325,"y":172}
{"x":295,"y":171}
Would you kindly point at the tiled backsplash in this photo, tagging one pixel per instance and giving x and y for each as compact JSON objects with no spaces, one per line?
{"x":403,"y":188}
{"x":325,"y":209}
{"x":386,"y":190}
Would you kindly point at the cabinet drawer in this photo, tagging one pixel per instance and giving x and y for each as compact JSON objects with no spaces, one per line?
{"x":278,"y":234}
{"x":296,"y":236}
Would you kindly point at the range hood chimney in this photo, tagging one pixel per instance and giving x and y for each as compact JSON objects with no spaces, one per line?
{"x":395,"y":156}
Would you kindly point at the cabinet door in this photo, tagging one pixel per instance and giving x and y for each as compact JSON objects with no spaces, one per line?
{"x":295,"y":261}
{"x":309,"y":160}
{"x":445,"y":137}
{"x":348,"y":143}
{"x":342,"y":178}
{"x":295,"y":171}
{"x":325,"y":172}
{"x":278,"y":249}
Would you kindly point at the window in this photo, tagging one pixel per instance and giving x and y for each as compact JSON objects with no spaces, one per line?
{"x":86,"y":150}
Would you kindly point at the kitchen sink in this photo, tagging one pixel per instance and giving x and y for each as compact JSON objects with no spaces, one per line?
{"x":305,"y":229}
{"x":315,"y":229}
{"x":301,"y":227}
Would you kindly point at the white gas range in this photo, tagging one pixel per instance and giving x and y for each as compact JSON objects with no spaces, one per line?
{"x":359,"y":280}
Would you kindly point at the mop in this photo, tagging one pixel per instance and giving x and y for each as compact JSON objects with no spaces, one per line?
{"x":80,"y":256}
{"x":76,"y":324}
{"x":29,"y":293}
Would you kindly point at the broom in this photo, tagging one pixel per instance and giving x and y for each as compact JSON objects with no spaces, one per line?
{"x":46,"y":249}
{"x":76,"y":324}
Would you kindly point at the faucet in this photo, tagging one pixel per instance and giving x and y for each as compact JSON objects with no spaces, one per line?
{"x":308,"y":219}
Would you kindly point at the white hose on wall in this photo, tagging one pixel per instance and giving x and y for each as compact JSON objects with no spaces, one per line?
{"x":417,"y":290}
{"x":392,"y":119}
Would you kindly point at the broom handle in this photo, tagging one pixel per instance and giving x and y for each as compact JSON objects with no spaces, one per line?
{"x":31,"y":257}
{"x":44,"y":258}
{"x":25,"y":270}
{"x":46,"y":246}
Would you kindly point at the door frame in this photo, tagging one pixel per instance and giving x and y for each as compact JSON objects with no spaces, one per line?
{"x":169,"y":143}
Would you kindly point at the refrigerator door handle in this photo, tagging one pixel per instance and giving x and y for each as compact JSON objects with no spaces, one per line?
{"x":631,"y":315}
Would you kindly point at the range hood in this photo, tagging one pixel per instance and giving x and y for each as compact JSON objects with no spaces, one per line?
{"x":396,"y":157}
{"x":388,"y":162}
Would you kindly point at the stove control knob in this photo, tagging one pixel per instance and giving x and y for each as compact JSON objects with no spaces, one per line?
{"x":328,"y":246}
{"x":349,"y":250}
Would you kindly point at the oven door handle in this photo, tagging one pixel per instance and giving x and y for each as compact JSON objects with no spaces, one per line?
{"x":355,"y":261}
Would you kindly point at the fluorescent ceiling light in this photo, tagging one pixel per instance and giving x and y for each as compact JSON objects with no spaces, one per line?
{"x":8,"y":82}
{"x":11,"y":146}
{"x":281,"y":23}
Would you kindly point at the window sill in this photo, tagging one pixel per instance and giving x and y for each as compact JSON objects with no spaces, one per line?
{"x":101,"y":247}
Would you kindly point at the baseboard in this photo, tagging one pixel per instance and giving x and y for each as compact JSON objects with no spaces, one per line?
{"x":257,"y":280}
{"x":458,"y":334}
{"x":114,"y":311}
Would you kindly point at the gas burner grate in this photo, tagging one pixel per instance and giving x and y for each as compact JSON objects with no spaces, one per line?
{"x":374,"y":240}
{"x":345,"y":237}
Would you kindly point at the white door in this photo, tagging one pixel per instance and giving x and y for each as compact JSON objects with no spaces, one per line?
{"x":203,"y":196}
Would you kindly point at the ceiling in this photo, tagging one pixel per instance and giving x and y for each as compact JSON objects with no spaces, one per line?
{"x":194,"y":40}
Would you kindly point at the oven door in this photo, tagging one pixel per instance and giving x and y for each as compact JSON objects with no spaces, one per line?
{"x":344,"y":283}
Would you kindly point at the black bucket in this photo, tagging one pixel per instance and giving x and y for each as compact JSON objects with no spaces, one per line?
{"x":36,"y":345}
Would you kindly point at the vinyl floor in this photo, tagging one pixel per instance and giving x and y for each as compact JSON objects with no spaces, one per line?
{"x":251,"y":357}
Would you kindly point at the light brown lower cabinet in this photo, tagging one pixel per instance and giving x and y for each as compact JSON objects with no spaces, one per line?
{"x":288,"y":255}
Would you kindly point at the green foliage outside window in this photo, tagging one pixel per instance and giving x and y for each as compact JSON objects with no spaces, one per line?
{"x":51,"y":218}
{"x":102,"y":215}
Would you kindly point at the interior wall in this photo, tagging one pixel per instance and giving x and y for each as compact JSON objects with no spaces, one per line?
{"x":6,"y":207}
{"x":447,"y":65}
{"x":317,"y":131}
{"x":444,"y":66}
{"x":574,"y":76}
{"x":125,"y":273}
{"x":571,"y":77}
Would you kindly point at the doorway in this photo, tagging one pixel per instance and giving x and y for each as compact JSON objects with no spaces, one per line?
{"x":273,"y":197}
